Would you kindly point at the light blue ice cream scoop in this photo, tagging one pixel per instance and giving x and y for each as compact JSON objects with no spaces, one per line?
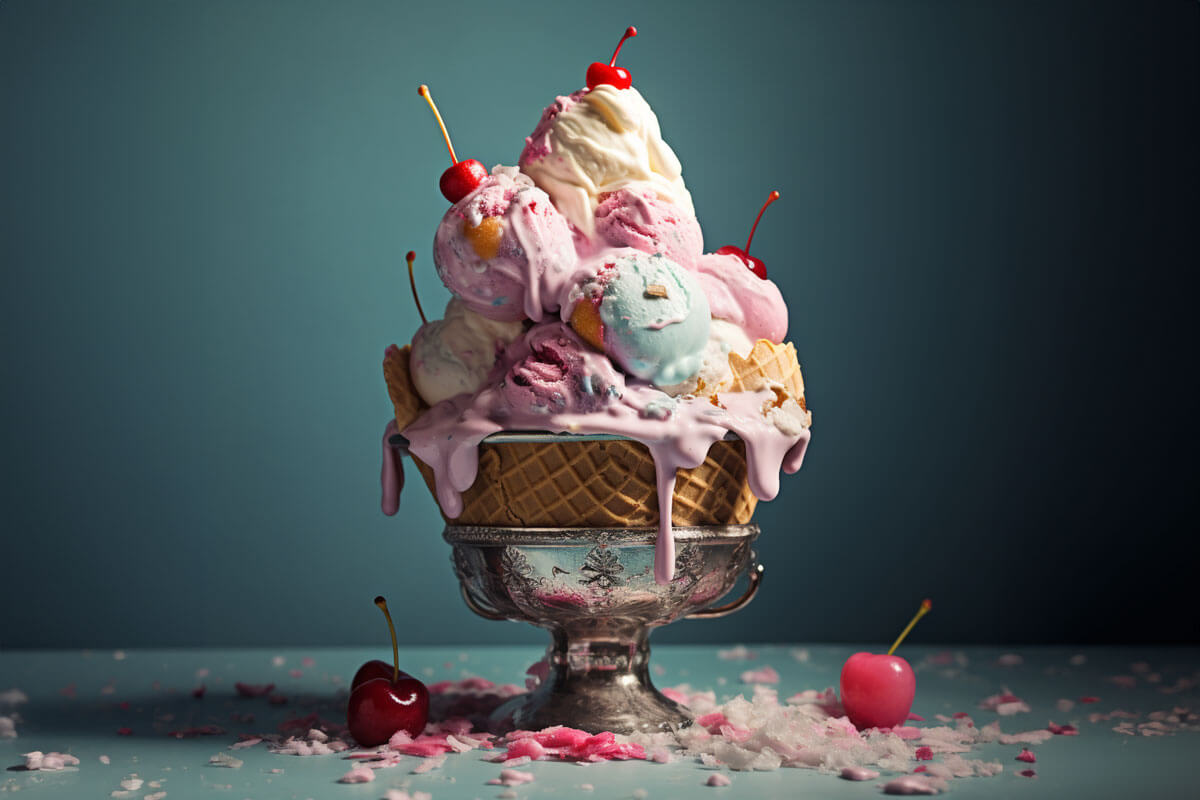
{"x":655,"y":315}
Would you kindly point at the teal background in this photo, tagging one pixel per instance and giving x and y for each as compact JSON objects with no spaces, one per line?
{"x":986,"y":239}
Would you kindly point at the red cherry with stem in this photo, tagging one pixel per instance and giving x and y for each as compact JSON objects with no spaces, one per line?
{"x":463,"y":177}
{"x":878,"y":690}
{"x":755,"y":264}
{"x":600,"y":73}
{"x":385,"y":700}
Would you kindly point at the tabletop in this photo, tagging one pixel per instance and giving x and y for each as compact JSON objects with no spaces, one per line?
{"x":210,"y":723}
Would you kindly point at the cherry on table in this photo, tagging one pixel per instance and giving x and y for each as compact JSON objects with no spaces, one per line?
{"x":463,"y":177}
{"x":599,"y":73}
{"x":878,"y":690}
{"x":755,"y":264}
{"x":384,"y":700}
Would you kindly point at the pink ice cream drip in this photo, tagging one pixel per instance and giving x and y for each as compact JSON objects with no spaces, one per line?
{"x":551,"y":370}
{"x":678,"y":432}
{"x":636,"y":217}
{"x":736,"y":294}
{"x":534,"y":263}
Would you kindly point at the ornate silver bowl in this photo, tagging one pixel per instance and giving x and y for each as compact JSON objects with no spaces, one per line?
{"x":594,"y":590}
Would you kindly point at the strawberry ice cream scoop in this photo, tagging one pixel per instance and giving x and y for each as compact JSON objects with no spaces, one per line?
{"x":505,"y":250}
{"x":637,"y":217}
{"x":551,"y":371}
{"x":739,"y":296}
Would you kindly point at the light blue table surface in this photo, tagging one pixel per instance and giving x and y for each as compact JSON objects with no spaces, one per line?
{"x":79,"y":700}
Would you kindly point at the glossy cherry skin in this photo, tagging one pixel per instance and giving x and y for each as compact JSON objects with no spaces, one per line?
{"x":599,"y":73}
{"x":462,"y":179}
{"x":877,"y":690}
{"x":375,"y":669}
{"x":755,"y":264}
{"x":378,"y":708}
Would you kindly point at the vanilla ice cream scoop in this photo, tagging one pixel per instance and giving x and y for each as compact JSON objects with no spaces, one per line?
{"x":453,"y":356}
{"x":600,"y":140}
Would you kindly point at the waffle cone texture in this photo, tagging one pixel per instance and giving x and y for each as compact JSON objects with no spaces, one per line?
{"x":604,"y":483}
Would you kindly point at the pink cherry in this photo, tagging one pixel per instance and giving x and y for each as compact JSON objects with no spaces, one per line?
{"x":877,"y":690}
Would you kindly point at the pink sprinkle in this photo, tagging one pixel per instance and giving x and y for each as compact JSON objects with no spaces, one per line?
{"x":512,"y":777}
{"x":1089,"y":699}
{"x":924,"y":754}
{"x":858,"y":774}
{"x":1062,"y":730}
{"x":1027,"y":756}
{"x":676,"y":695}
{"x":921,"y":768}
{"x":961,"y":715}
{"x":527,"y":747}
{"x":199,"y":691}
{"x":124,"y":731}
{"x":909,"y":784}
{"x":254,"y":690}
{"x":915,"y":717}
{"x":717,"y":779}
{"x":1027,"y":773}
{"x":358,"y":775}
{"x":763,"y":675}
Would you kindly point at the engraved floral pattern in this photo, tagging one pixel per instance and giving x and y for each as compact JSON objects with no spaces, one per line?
{"x":516,"y":573}
{"x":603,"y":568}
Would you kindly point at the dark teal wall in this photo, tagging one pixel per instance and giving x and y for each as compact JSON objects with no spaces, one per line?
{"x":987,"y":238}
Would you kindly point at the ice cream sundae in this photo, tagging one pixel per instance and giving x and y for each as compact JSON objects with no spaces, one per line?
{"x":584,"y":303}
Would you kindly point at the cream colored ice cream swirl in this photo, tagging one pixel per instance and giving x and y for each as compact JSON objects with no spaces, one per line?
{"x":596,"y":141}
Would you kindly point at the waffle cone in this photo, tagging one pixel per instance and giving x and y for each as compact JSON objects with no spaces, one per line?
{"x":768,"y":365}
{"x":599,"y":484}
{"x":405,"y":400}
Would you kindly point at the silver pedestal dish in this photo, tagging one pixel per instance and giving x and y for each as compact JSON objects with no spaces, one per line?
{"x":594,"y":590}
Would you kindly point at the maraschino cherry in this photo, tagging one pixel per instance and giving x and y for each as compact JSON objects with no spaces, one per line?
{"x":755,"y":264}
{"x":463,"y":177}
{"x":384,"y":700}
{"x":600,"y":73}
{"x":878,"y":691}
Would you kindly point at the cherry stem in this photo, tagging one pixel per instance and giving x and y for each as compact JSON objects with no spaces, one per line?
{"x":926,"y":604}
{"x":423,"y":90}
{"x":410,"y":258}
{"x":630,"y":32}
{"x":771,"y":198}
{"x":379,"y":601}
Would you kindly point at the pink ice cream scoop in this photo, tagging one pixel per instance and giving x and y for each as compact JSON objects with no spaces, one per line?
{"x":551,"y":370}
{"x":739,"y":296}
{"x":636,"y":217}
{"x":505,"y":250}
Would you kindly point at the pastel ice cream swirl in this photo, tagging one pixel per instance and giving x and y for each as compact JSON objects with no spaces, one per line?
{"x":505,"y":250}
{"x":596,"y":141}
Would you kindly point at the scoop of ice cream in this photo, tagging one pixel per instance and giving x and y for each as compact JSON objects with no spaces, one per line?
{"x":736,"y":294}
{"x":551,"y":370}
{"x":646,"y":312}
{"x":597,"y":141}
{"x":636,"y":217}
{"x":505,"y":250}
{"x":453,"y":355}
